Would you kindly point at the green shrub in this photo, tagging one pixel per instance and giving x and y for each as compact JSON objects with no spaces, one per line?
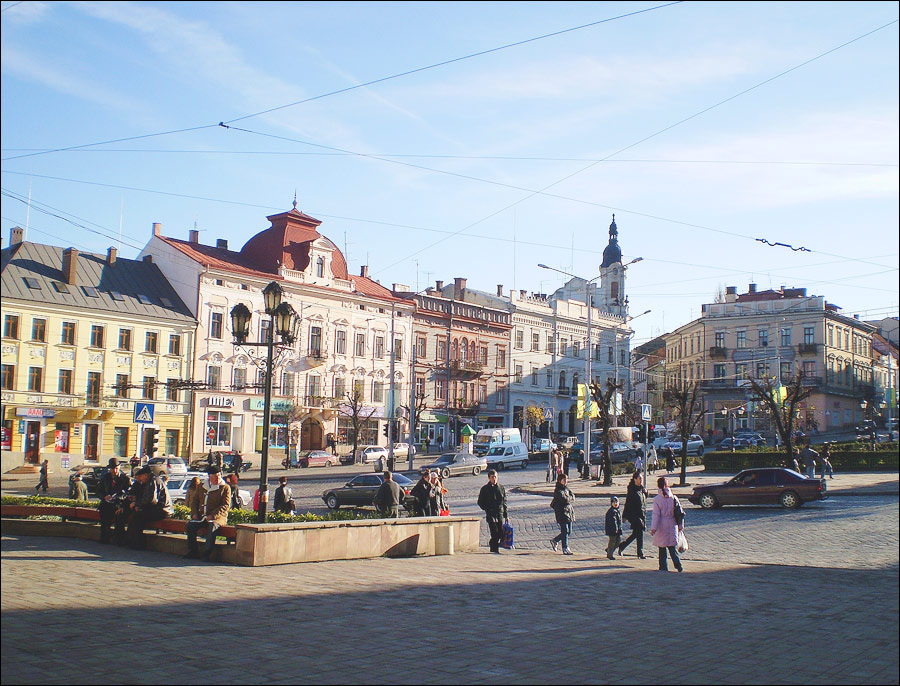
{"x":45,"y":500}
{"x":866,"y":460}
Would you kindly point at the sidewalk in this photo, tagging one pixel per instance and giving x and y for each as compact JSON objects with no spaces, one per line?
{"x":847,"y":484}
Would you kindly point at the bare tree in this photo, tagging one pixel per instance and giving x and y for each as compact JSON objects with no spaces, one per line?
{"x":686,"y":405}
{"x":782,"y":407}
{"x":355,"y":409}
{"x":603,"y":399}
{"x":415,"y":412}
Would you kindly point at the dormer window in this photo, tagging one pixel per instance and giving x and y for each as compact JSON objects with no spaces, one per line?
{"x":320,"y":267}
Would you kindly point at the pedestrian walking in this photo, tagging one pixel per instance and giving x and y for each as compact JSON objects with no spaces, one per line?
{"x":635,"y":513}
{"x":613,"y":527}
{"x":554,"y":464}
{"x":237,"y":463}
{"x":44,"y":481}
{"x":563,"y":506}
{"x":652,"y":459}
{"x":796,"y":457}
{"x":492,"y":499}
{"x":665,"y":528}
{"x":826,"y":461}
{"x":670,"y":460}
{"x":331,"y":443}
{"x":388,"y":497}
{"x":567,"y":461}
{"x":79,"y":488}
{"x":639,"y":461}
{"x":809,"y":461}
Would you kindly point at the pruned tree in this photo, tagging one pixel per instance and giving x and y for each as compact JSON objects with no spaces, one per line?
{"x":604,"y":399}
{"x":354,"y":408}
{"x":686,"y":404}
{"x":781,"y":404}
{"x":414,"y":412}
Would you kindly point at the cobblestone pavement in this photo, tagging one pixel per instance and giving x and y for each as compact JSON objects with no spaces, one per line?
{"x":75,"y":611}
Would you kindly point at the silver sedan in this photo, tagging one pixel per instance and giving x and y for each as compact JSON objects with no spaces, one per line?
{"x":450,"y":464}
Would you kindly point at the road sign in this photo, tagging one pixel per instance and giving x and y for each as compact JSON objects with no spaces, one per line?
{"x":645,"y":412}
{"x":143,"y":413}
{"x":548,"y":413}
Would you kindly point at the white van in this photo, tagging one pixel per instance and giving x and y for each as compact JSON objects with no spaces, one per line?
{"x":506,"y":455}
{"x":486,"y":439}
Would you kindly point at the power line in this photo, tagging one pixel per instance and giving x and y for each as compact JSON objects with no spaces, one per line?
{"x":9,"y":7}
{"x":349,"y":88}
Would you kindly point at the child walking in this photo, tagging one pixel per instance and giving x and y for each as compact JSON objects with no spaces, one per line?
{"x":613,"y":527}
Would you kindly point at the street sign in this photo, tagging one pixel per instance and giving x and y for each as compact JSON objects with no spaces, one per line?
{"x":143,"y":413}
{"x":645,"y":412}
{"x":548,"y":413}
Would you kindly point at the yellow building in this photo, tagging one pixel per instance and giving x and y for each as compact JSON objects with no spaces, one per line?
{"x":96,"y":350}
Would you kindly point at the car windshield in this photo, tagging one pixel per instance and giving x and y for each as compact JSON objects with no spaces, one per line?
{"x":402,"y":480}
{"x":445,"y":458}
{"x":496,"y":451}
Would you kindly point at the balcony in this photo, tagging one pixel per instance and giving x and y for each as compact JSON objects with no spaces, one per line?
{"x":314,"y":358}
{"x":564,"y":390}
{"x":808,"y":348}
{"x":812,"y":381}
{"x":321,"y":401}
{"x":466,"y":365}
{"x":715,"y":384}
{"x":717,"y":352}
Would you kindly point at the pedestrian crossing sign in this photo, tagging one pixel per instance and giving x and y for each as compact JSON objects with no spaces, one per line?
{"x":143,"y":413}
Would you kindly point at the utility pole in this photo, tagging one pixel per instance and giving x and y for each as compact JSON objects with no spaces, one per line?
{"x":412,"y":403}
{"x":390,"y":448}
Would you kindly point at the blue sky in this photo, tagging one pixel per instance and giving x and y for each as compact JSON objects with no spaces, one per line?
{"x":809,"y":159}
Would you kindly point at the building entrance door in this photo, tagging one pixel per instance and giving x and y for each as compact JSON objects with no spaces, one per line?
{"x":33,"y":442}
{"x":91,"y":442}
{"x":312,"y":436}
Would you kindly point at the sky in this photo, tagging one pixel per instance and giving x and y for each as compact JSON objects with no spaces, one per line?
{"x":703,"y":126}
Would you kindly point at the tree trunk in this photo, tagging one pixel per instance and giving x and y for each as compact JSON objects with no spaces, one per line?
{"x":684,"y":451}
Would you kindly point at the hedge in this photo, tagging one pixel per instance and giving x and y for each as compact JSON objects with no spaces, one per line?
{"x":855,"y":460}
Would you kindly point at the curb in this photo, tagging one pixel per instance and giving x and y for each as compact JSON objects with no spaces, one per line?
{"x":831,"y":494}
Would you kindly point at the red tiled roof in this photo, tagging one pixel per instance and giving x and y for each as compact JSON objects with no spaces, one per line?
{"x":218,"y":258}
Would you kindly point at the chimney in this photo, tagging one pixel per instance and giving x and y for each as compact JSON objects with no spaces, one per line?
{"x":157,"y":229}
{"x":439,"y":285}
{"x":459,"y":285}
{"x":148,"y":258}
{"x":523,"y":294}
{"x":499,"y":290}
{"x":16,"y":235}
{"x":400,"y":288}
{"x":751,"y":288}
{"x":222,"y":243}
{"x":70,"y":266}
{"x":364,"y":271}
{"x":730,"y":294}
{"x":193,"y":236}
{"x":111,"y":256}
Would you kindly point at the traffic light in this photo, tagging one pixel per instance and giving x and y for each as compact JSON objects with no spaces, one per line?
{"x":384,"y":429}
{"x":152,"y":442}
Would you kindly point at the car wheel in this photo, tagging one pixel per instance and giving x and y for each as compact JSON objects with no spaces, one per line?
{"x":476,"y":471}
{"x":501,"y":466}
{"x":328,"y":463}
{"x":304,"y":464}
{"x":790,"y":500}
{"x":445,"y":473}
{"x":700,"y":451}
{"x":708,"y":501}
{"x":332,"y":502}
{"x":524,"y":464}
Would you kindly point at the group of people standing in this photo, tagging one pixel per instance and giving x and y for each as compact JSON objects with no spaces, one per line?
{"x":429,"y":495}
{"x":808,"y":459}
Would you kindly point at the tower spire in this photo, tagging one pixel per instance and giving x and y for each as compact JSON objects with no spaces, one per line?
{"x":295,"y":198}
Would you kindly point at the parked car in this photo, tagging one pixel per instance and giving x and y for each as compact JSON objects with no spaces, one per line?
{"x":694,"y":446}
{"x":366,"y":453}
{"x":167,"y":465}
{"x":91,"y":476}
{"x":451,"y":464}
{"x":738,"y":442}
{"x":316,"y":458}
{"x":360,"y":491}
{"x":402,"y":449}
{"x":201,"y":463}
{"x":619,"y":452}
{"x":543,"y":445}
{"x":752,"y":437}
{"x":177,"y":487}
{"x":508,"y":455}
{"x":763,"y":486}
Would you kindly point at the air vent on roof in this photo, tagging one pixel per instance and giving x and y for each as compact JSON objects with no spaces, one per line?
{"x":60,"y":287}
{"x":117,"y":296}
{"x":144,"y":299}
{"x":90,"y":291}
{"x":31,"y":282}
{"x":166,"y":302}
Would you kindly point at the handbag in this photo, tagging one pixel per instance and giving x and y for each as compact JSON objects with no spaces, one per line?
{"x":683,"y":546}
{"x":508,"y":539}
{"x":678,"y":512}
{"x":444,"y":513}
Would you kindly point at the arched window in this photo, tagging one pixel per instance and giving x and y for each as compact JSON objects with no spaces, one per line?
{"x":574,"y":382}
{"x":454,"y":350}
{"x":614,"y":290}
{"x":464,"y":349}
{"x":320,"y":266}
{"x":472,"y":355}
{"x":562,"y":380}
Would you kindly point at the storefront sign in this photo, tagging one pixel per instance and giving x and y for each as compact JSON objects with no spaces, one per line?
{"x":259,"y":404}
{"x":34,"y":412}
{"x":220,"y":401}
{"x":6,"y":438}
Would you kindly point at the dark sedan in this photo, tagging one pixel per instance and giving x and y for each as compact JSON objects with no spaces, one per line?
{"x":91,"y":477}
{"x":360,"y":491}
{"x":763,"y":486}
{"x":739,"y":444}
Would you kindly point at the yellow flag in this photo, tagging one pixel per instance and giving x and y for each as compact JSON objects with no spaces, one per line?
{"x":583,"y":401}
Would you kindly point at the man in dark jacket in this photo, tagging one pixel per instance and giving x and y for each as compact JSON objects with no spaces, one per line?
{"x":284,"y":497}
{"x":613,"y":527}
{"x":492,"y":499}
{"x":150,"y":502}
{"x":111,"y":490}
{"x":635,"y":507}
{"x":422,"y":493}
{"x":563,"y":505}
{"x":389,"y":497}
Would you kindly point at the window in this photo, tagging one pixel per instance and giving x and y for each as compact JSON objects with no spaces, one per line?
{"x":809,"y":334}
{"x":115,"y":295}
{"x":36,"y":379}
{"x":172,"y":390}
{"x":761,"y":370}
{"x":214,"y":377}
{"x":720,"y":339}
{"x":786,"y":337}
{"x":518,"y":374}
{"x":314,"y":385}
{"x":623,"y":358}
{"x":65,"y":382}
{"x":174,"y":344}
{"x":762,"y":336}
{"x":378,"y":392}
{"x":315,"y":341}
{"x":535,"y":342}
{"x":379,"y":347}
{"x":239,"y":378}
{"x":598,"y":352}
{"x":534,"y":375}
{"x":8,"y":377}
{"x":171,"y":442}
{"x":549,"y":378}
{"x":60,"y":287}
{"x":576,"y":348}
{"x":520,"y":339}
{"x":483,"y":355}
{"x":500,"y":396}
{"x":830,"y":336}
{"x":740,"y":370}
{"x":320,"y":266}
{"x":339,"y":388}
{"x":96,"y":336}
{"x":151,"y":342}
{"x":441,"y":349}
{"x":398,"y":349}
{"x":785,"y":371}
{"x":120,"y":390}
{"x":563,"y":345}
{"x":287,"y":384}
{"x":741,"y":339}
{"x":90,"y":291}
{"x":149,"y":387}
{"x":67,"y":337}
{"x":809,"y":369}
{"x":120,"y":441}
{"x":551,"y":344}
{"x":501,"y":357}
{"x":215,"y":324}
{"x":609,"y":354}
{"x":265,"y":330}
{"x":218,"y":428}
{"x":420,"y":386}
{"x":340,"y":342}
{"x":482,"y":393}
{"x":422,"y":349}
{"x":440,"y":389}
{"x":32,"y":283}
{"x":39,"y":330}
{"x":359,"y":388}
{"x":360,"y":347}
{"x":144,"y":299}
{"x":124,"y":339}
{"x":719,"y":372}
{"x":93,"y":389}
{"x":10,"y":326}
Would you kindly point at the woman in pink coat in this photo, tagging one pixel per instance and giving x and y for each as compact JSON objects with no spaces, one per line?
{"x":664,"y":529}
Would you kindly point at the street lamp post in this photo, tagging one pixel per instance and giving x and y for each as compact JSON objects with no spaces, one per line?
{"x":284,"y":322}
